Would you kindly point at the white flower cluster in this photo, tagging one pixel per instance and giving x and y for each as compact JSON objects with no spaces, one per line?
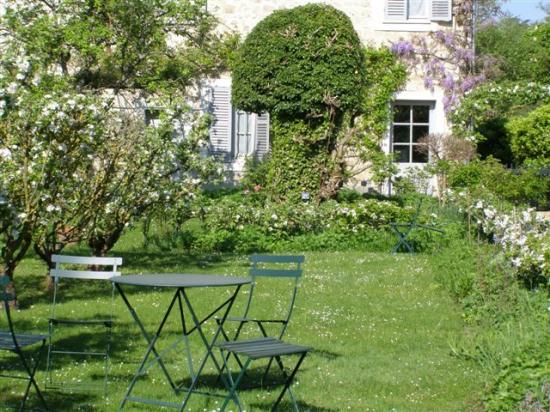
{"x":523,"y":235}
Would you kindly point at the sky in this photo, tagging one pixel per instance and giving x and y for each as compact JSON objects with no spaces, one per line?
{"x":525,"y":9}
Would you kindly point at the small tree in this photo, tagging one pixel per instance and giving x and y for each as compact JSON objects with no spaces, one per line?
{"x":68,"y":172}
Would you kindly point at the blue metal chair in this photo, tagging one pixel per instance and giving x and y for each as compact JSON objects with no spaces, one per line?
{"x":404,"y":230}
{"x":282,"y":267}
{"x":273,"y":266}
{"x":260,"y":348}
{"x":16,"y":342}
{"x":80,"y":268}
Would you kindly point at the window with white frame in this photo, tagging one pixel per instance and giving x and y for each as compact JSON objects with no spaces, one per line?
{"x":243,"y":133}
{"x":411,"y":122}
{"x":417,"y":10}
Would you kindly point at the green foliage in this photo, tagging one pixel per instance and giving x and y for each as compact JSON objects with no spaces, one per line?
{"x":298,"y":159}
{"x":490,"y":178}
{"x":255,"y":174}
{"x":519,"y":48}
{"x":523,"y":382}
{"x":385,"y":75}
{"x":507,"y":325}
{"x":488,"y":108}
{"x":300,"y":62}
{"x":120,"y":44}
{"x":530,"y":135}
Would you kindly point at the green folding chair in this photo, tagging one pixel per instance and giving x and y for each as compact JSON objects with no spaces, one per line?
{"x":404,"y":230}
{"x":282,"y":267}
{"x":260,"y":348}
{"x":15,"y":343}
{"x":75,"y":270}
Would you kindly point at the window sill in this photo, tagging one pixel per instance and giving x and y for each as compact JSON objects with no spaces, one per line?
{"x":409,"y":26}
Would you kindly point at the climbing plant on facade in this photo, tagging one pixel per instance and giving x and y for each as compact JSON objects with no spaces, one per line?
{"x":306,"y":67}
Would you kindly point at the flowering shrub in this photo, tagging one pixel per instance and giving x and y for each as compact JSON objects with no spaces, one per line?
{"x":523,"y":235}
{"x":74,"y":167}
{"x":281,"y":221}
{"x":492,"y":100}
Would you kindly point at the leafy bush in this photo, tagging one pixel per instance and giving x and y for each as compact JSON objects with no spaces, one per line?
{"x":507,"y":325}
{"x":523,"y":382}
{"x":530,"y":135}
{"x":299,"y":62}
{"x":490,"y":178}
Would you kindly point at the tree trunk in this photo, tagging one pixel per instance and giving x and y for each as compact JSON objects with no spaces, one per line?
{"x":101,"y":245}
{"x":13,"y":252}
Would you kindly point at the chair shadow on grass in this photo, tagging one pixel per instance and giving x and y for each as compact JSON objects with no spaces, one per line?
{"x":274,"y":382}
{"x":325,"y":354}
{"x":287,"y":406}
{"x":56,"y":401}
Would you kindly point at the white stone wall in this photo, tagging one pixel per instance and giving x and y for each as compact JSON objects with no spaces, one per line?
{"x":367,"y":17}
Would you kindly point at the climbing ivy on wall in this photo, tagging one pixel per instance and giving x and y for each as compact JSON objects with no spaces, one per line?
{"x":307,"y":68}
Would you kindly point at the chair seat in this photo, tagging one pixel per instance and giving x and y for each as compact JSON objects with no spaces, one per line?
{"x":262,"y":348}
{"x":6,"y":340}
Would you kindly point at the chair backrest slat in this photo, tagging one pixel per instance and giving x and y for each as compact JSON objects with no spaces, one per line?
{"x":60,"y":260}
{"x":286,"y":273}
{"x":82,"y":274}
{"x":277,"y":259}
{"x":87,"y":260}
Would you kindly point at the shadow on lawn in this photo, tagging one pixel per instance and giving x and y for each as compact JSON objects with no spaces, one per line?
{"x":252,"y":379}
{"x":325,"y":354}
{"x":56,"y":401}
{"x":287,"y":406}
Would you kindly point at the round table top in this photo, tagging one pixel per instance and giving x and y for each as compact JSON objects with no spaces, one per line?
{"x":179,"y":280}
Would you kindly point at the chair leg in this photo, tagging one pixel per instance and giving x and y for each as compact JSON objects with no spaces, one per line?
{"x":31,"y":372}
{"x":232,"y":385}
{"x":226,"y":337}
{"x":287,"y":385}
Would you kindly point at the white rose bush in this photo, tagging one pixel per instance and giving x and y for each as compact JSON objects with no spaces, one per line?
{"x":523,"y":235}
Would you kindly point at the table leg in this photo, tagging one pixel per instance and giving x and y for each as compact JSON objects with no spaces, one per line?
{"x":151,"y":346}
{"x":208,"y":345}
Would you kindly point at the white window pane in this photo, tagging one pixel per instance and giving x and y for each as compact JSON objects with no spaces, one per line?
{"x":418,"y":8}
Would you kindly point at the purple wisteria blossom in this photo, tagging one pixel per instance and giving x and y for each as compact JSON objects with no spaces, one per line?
{"x":470,"y":82}
{"x":448,"y":82}
{"x":403,"y":48}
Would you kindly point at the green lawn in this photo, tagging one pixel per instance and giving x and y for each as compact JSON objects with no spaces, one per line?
{"x":379,"y":324}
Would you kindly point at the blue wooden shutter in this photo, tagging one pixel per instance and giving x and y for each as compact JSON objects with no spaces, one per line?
{"x":396,"y":10}
{"x":262,"y":134}
{"x":220,"y":133}
{"x":442,"y":10}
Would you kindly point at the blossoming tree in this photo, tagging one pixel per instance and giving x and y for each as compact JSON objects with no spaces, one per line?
{"x":74,"y":165}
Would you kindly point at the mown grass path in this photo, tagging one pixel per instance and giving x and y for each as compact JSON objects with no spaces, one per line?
{"x":379,"y":324}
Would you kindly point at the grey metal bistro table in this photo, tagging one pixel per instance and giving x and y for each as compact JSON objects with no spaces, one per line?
{"x":178,"y":282}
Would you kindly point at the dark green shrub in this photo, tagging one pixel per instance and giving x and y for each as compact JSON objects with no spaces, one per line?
{"x":522,"y":186}
{"x":300,"y":62}
{"x":530,"y":135}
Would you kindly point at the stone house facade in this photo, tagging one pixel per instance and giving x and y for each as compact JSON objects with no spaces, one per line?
{"x":416,"y":110}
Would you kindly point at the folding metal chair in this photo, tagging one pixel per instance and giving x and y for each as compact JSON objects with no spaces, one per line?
{"x":403,"y":230}
{"x":287,"y":267}
{"x":81,"y":269}
{"x":258,"y":349}
{"x":15,"y":343}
